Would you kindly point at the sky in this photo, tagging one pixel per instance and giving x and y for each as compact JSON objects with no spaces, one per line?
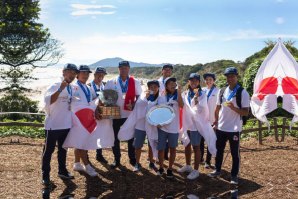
{"x":167,"y":31}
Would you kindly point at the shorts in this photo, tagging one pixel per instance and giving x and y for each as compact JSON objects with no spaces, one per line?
{"x":163,"y":137}
{"x":139,"y":138}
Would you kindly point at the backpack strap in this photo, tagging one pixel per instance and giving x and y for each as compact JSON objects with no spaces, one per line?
{"x":239,"y":97}
{"x":221,"y":92}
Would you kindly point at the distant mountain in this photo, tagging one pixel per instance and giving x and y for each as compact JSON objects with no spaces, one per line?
{"x":113,"y":62}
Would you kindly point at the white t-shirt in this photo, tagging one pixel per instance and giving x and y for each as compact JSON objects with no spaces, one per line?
{"x":211,"y":102}
{"x":229,"y":120}
{"x":98,"y":88}
{"x":58,"y":115}
{"x":79,"y":96}
{"x":162,"y":88}
{"x":173,"y":127}
{"x":115,"y":85}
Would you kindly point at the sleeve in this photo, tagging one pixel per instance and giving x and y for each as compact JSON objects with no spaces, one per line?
{"x":218,"y":98}
{"x":245,"y":99}
{"x":138,"y":87}
{"x":47,"y":97}
{"x":109,"y":85}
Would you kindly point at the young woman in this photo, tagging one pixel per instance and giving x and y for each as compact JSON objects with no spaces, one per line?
{"x":211,"y":91}
{"x":194,"y":100}
{"x":170,"y":132}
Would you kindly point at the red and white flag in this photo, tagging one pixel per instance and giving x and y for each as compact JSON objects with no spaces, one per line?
{"x":277,"y":76}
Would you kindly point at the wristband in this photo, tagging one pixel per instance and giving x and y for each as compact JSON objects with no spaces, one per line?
{"x":59,"y":90}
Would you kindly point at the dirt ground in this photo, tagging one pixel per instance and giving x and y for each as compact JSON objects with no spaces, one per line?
{"x":267,"y":171}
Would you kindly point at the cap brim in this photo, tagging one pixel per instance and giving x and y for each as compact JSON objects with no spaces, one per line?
{"x":85,"y":71}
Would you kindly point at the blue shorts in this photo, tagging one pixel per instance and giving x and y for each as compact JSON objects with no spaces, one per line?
{"x":139,"y":138}
{"x":163,"y":137}
{"x":195,"y":138}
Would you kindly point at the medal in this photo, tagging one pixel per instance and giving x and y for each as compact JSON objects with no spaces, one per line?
{"x":226,"y":103}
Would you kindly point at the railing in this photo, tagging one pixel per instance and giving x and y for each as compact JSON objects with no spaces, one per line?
{"x":16,"y":123}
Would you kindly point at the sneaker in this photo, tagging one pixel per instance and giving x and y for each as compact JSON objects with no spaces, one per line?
{"x":115,"y":164}
{"x":192,"y":196}
{"x":185,"y":168}
{"x":193,"y":175}
{"x":207,"y":166}
{"x":77,"y":166}
{"x":65,"y":175}
{"x":152,"y":166}
{"x":234,"y":180}
{"x":101,"y":159}
{"x":170,"y":173}
{"x":214,"y":174}
{"x":133,"y":162}
{"x":137,"y":167}
{"x":90,"y":171}
{"x":160,"y":171}
{"x":46,"y":181}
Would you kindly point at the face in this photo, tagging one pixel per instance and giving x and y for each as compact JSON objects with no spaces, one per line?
{"x":124,"y":71}
{"x":98,"y":77}
{"x":232,"y":79}
{"x":209,"y":81}
{"x":194,"y":83}
{"x":154,"y":88}
{"x":83,"y":76}
{"x":171,"y":86}
{"x":166,"y":72}
{"x":69,"y":75}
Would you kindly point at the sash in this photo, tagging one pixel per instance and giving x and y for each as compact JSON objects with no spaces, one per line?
{"x":130,"y":96}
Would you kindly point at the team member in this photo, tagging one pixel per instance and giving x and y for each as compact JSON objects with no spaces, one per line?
{"x":196,"y":100}
{"x":170,"y":132}
{"x":129,"y":89}
{"x":167,"y":71}
{"x":58,"y":100}
{"x":232,"y":104}
{"x":211,"y":91}
{"x":98,"y":85}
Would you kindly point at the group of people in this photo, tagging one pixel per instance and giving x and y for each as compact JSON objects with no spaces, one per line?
{"x":208,"y":115}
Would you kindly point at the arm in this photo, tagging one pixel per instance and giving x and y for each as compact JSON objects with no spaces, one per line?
{"x":55,"y":95}
{"x":240,"y":111}
{"x":180,"y":100}
{"x":216,"y":114}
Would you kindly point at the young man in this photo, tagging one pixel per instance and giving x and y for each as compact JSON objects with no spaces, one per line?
{"x":129,"y":89}
{"x":228,"y":122}
{"x":58,"y":100}
{"x":98,"y":85}
{"x":166,"y":72}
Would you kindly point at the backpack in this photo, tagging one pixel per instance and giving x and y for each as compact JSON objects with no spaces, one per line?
{"x":238,"y":101}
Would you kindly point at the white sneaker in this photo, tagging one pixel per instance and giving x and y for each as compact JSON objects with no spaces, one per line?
{"x":185,"y":168}
{"x":193,"y":175}
{"x":77,"y":166}
{"x":192,"y":196}
{"x":90,"y":171}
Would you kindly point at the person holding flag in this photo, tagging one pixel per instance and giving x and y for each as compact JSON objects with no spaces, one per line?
{"x":128,"y":89}
{"x":58,"y":100}
{"x":232,"y":103}
{"x":211,"y":91}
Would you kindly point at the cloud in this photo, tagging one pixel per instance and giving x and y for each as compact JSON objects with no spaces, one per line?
{"x":91,"y":9}
{"x":279,"y":20}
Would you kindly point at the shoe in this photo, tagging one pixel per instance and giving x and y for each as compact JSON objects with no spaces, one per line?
{"x":115,"y":164}
{"x":214,"y":174}
{"x":152,"y":166}
{"x":193,"y":175}
{"x":101,"y":159}
{"x":207,"y":166}
{"x":160,"y":172}
{"x":137,"y":167}
{"x":192,"y":196}
{"x":185,"y":168}
{"x":90,"y":171}
{"x":77,"y":166}
{"x":46,"y":181}
{"x":234,"y":180}
{"x":170,"y":173}
{"x":133,"y":162}
{"x":65,"y":175}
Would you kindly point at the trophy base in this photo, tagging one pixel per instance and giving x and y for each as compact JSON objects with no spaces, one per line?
{"x":110,"y":112}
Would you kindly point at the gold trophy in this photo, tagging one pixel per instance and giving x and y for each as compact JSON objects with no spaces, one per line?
{"x":107,"y":105}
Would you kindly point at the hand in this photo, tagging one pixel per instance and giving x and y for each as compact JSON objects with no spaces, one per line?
{"x":179,"y":89}
{"x":63,"y":84}
{"x":98,"y":115}
{"x":129,"y":106}
{"x":230,"y":105}
{"x":214,"y":125}
{"x":147,"y":93}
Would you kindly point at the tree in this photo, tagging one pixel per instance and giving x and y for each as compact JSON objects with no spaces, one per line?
{"x":24,"y":45}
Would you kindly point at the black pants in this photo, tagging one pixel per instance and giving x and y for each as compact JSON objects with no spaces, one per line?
{"x":53,"y":136}
{"x":234,"y":140}
{"x":202,"y":148}
{"x":98,"y":153}
{"x":117,"y":123}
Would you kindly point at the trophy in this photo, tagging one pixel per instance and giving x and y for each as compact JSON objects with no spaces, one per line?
{"x":107,"y":104}
{"x":160,"y":115}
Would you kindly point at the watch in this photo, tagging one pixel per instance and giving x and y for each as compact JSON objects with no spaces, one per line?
{"x":59,"y":90}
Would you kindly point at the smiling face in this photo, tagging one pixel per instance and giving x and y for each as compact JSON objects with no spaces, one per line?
{"x":166,"y":72}
{"x":232,"y":79}
{"x":209,"y":81}
{"x":154,"y":88}
{"x":194,"y":83}
{"x":98,"y":77}
{"x":69,"y":75}
{"x":83,"y":76}
{"x":171,"y":86}
{"x":124,"y":71}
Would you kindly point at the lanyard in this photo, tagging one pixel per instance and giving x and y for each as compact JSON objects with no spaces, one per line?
{"x":233,"y":93}
{"x":172,"y":96}
{"x":151,"y":98}
{"x":191,"y":94}
{"x":210,"y":91}
{"x":69,"y":90}
{"x":123,"y":87}
{"x":87,"y":93}
{"x":95,"y":88}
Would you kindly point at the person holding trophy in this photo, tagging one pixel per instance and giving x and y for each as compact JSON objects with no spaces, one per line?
{"x":228,"y":121}
{"x":128,"y":89}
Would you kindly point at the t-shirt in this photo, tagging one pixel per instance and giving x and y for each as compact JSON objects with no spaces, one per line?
{"x":58,"y":115}
{"x":79,"y":96}
{"x":98,"y":88}
{"x":162,"y":88}
{"x":173,"y":127}
{"x":229,"y":120}
{"x":115,"y":85}
{"x":211,"y":102}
